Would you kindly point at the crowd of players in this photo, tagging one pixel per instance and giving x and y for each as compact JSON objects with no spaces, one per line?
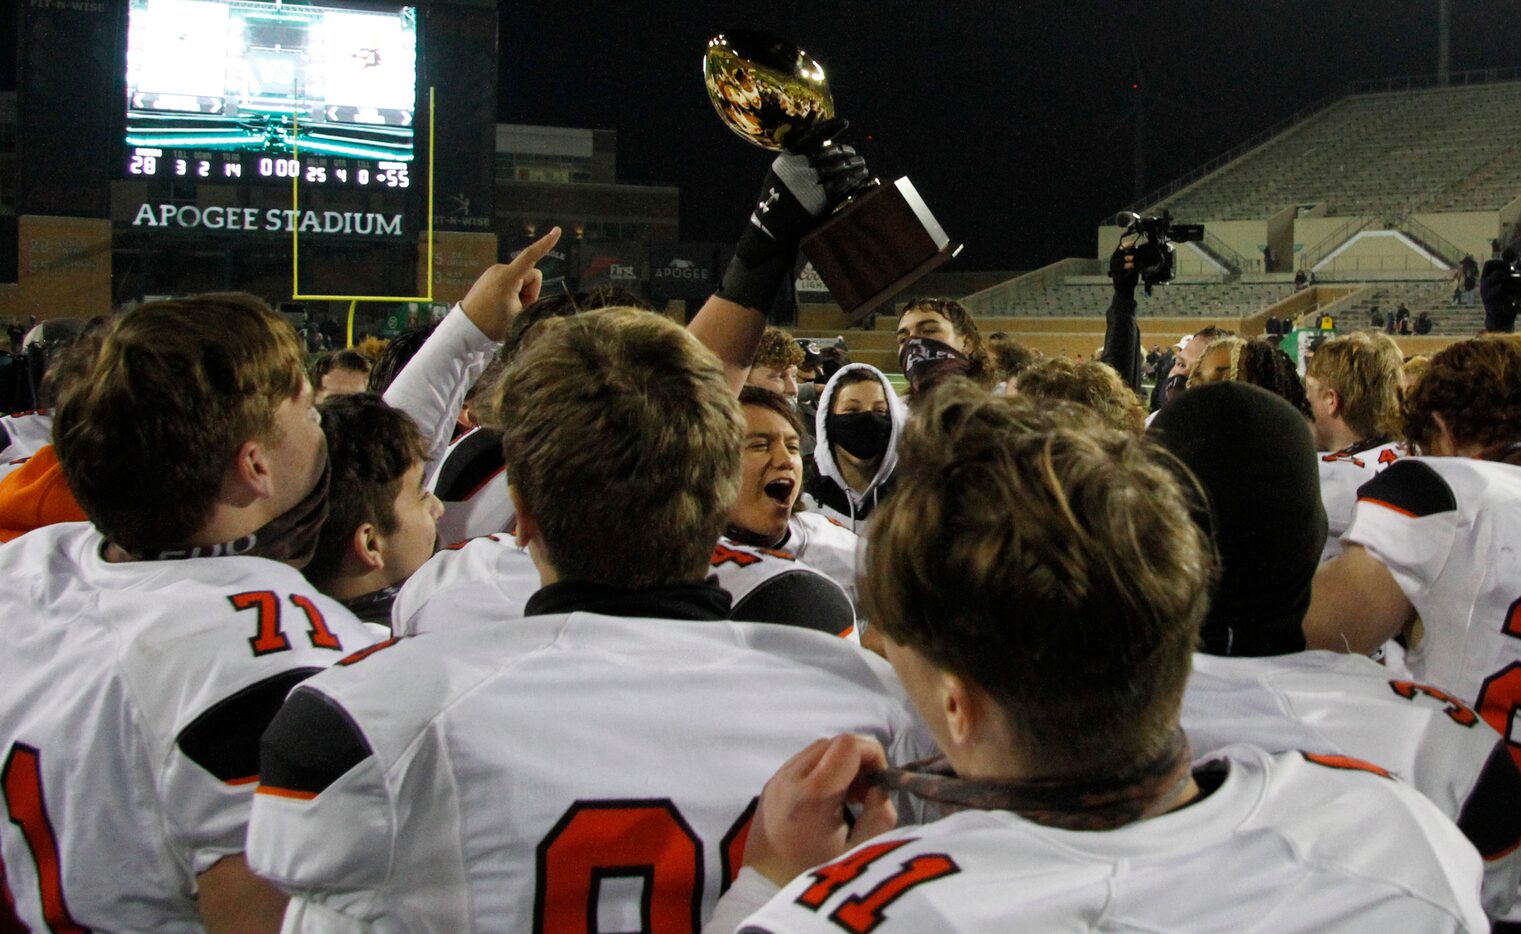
{"x":994,"y":656}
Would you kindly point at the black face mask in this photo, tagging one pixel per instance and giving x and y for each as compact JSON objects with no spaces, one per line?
{"x":864,"y":434}
{"x":928,"y":363}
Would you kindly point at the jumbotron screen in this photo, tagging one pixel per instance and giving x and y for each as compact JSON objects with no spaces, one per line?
{"x":242,"y":90}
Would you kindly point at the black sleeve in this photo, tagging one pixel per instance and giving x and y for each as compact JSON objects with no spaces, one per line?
{"x":1491,"y":817}
{"x":1411,"y":487}
{"x":1122,"y":339}
{"x":224,"y":739}
{"x":798,"y":598}
{"x":311,"y":744}
{"x":475,"y":461}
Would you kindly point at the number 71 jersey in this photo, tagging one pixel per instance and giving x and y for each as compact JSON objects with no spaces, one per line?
{"x":132,"y":699}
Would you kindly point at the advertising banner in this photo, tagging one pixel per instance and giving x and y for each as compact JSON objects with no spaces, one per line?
{"x":685,"y":271}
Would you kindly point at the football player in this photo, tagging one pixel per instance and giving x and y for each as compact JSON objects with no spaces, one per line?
{"x":765,"y":514}
{"x":1255,"y":462}
{"x":1353,"y":385}
{"x":1429,"y":554}
{"x":1049,"y":653}
{"x":593,"y":762}
{"x":147,"y":650}
{"x":382,"y":522}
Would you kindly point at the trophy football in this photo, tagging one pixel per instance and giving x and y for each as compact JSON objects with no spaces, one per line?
{"x":880,"y":240}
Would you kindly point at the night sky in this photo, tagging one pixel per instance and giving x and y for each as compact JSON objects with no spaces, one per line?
{"x":1011,"y":118}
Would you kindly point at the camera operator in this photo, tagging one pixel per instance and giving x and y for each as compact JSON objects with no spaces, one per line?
{"x":1144,"y":254}
{"x":1122,"y":335}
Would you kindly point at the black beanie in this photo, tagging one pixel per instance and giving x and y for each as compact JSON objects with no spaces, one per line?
{"x":1255,"y":458}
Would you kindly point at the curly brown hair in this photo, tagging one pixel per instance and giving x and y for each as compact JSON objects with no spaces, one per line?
{"x":1095,"y":385}
{"x":1475,"y":386}
{"x":777,"y":350}
{"x":1051,"y":561}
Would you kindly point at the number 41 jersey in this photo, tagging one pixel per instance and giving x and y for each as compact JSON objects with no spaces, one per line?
{"x":558,"y":773}
{"x":132,"y":698}
{"x":1285,"y":843}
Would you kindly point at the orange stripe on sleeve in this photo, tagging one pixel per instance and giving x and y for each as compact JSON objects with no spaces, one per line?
{"x":274,"y":792}
{"x":1379,"y":502}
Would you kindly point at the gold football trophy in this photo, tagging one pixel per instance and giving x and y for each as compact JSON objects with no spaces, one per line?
{"x":879,"y":241}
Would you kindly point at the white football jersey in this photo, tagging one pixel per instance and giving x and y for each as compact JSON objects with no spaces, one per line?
{"x":1446,"y":528}
{"x":1283,"y":845}
{"x":828,"y":547}
{"x":1347,"y":705}
{"x":771,"y":586}
{"x":1341,"y":473}
{"x":132,"y":699}
{"x":432,"y":386}
{"x":25,"y":432}
{"x":554,"y":773}
{"x":472,"y":485}
{"x":484,"y":578}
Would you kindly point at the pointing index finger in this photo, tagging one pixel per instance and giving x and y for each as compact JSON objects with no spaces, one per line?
{"x":535,"y":251}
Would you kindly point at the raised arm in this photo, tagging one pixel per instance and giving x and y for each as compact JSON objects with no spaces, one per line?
{"x":801,"y":187}
{"x":432,"y":386}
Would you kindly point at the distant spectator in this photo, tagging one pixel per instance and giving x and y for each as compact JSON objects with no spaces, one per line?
{"x":1301,"y":280}
{"x":1375,"y":317}
{"x":1423,"y":323}
{"x":1402,"y":326}
{"x":1470,"y":270}
{"x":1267,"y":259}
{"x":340,"y":373}
{"x":1401,"y":313}
{"x":1389,"y":325}
{"x":1501,"y":292}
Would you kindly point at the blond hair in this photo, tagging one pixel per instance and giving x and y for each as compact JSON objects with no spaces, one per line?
{"x":1365,"y":370}
{"x":1050,"y":560}
{"x":623,"y":440}
{"x":1093,"y":384}
{"x":178,"y":386}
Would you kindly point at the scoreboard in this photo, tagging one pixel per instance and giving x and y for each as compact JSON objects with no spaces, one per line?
{"x":148,"y":162}
{"x":265,"y":90}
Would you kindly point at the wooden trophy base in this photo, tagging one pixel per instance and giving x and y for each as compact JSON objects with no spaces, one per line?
{"x":877,"y":245}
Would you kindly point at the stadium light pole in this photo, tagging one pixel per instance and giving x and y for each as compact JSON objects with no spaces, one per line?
{"x":1444,"y":41}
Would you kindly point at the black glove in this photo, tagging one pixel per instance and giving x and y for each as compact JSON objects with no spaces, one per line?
{"x":1125,"y":269}
{"x":802,"y":186}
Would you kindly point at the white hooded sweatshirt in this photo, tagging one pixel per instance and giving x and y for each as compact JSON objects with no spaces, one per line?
{"x":828,"y":493}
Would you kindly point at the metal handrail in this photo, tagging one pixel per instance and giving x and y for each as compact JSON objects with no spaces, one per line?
{"x":1445,"y":249}
{"x":1334,"y":239}
{"x":1223,"y":251}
